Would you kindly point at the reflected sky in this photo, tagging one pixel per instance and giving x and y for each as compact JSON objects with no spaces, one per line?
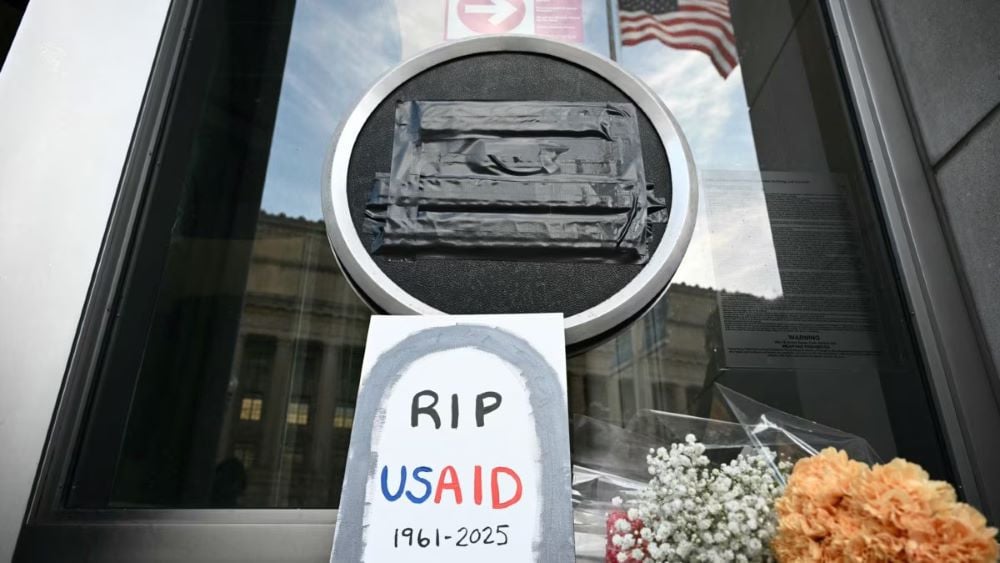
{"x":731,"y":248}
{"x":339,"y":48}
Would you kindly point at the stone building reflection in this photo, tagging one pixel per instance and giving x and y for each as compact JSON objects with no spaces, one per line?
{"x":659,"y":362}
{"x":291,"y":392}
{"x":290,"y":399}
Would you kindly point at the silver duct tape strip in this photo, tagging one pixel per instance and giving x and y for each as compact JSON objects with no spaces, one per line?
{"x":584,"y":159}
{"x":477,"y":119}
{"x":478,"y":194}
{"x":535,"y":181}
{"x":489,"y":235}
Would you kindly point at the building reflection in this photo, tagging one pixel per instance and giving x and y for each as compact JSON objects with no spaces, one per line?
{"x":290,"y":399}
{"x":294,"y":380}
{"x":659,"y":362}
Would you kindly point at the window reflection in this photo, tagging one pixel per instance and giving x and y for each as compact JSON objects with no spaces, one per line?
{"x":302,"y":334}
{"x":248,"y":350}
{"x":298,"y":413}
{"x":614,"y":380}
{"x":251,"y":407}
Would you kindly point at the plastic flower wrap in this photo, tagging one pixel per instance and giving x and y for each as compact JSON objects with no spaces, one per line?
{"x":697,"y":489}
{"x":692,"y":488}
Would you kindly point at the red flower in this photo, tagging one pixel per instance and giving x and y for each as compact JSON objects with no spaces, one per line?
{"x":611,"y":551}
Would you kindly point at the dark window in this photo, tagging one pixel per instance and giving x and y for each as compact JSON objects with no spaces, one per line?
{"x":350,"y":358}
{"x":343,"y":417}
{"x":246,"y":454}
{"x":234,"y":317}
{"x":298,"y":412}
{"x":623,"y":350}
{"x":229,"y":374}
{"x":655,"y":326}
{"x":258,"y":363}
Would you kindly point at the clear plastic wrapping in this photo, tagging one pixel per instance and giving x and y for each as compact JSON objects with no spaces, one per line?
{"x":610,"y":461}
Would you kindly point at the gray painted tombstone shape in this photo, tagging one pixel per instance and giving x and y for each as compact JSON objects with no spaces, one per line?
{"x":554,"y":542}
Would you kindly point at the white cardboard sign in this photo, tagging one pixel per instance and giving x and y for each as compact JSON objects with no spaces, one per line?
{"x":460,"y":443}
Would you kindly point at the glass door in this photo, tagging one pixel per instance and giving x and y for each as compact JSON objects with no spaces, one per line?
{"x":214,"y":419}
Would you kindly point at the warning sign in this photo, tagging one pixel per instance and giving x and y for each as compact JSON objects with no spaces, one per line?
{"x":555,"y":19}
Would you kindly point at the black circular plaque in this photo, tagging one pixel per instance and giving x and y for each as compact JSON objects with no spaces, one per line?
{"x":595,"y":297}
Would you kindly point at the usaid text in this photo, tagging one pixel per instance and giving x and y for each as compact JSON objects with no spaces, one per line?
{"x":479,"y":485}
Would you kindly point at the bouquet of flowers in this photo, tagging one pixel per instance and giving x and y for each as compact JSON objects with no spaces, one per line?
{"x":767,"y":487}
{"x":697,"y":512}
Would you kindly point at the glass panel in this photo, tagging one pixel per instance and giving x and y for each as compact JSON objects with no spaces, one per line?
{"x":231,"y":371}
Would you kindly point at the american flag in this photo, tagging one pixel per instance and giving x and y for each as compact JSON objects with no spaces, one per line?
{"x":702,"y":25}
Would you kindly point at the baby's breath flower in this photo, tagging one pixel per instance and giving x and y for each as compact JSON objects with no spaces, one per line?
{"x":691,"y":511}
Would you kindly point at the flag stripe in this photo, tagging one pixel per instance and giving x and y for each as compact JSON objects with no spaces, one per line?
{"x":721,"y":59}
{"x":690,"y":12}
{"x":670,"y":20}
{"x":717,"y":3}
{"x":719,"y":8}
{"x":721,"y":66}
{"x":707,"y":17}
{"x":700,"y":25}
{"x":720,"y":36}
{"x":687,"y":32}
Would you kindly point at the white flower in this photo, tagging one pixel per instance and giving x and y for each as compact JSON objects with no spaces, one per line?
{"x":694,"y":511}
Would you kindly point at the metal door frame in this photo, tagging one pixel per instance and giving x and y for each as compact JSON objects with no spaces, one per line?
{"x":70,"y":90}
{"x":960,"y":377}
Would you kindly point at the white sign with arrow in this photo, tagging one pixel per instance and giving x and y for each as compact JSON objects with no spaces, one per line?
{"x":499,"y":11}
{"x":468,"y":18}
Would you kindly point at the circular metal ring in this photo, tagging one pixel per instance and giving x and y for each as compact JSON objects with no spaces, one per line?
{"x":647,"y":286}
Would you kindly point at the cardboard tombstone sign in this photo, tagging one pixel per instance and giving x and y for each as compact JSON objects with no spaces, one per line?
{"x":460,"y":443}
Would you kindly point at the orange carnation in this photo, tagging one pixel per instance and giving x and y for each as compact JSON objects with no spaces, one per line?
{"x":810,"y":513}
{"x":836,"y":509}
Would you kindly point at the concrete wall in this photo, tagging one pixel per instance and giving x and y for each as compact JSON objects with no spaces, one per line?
{"x":947,"y":57}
